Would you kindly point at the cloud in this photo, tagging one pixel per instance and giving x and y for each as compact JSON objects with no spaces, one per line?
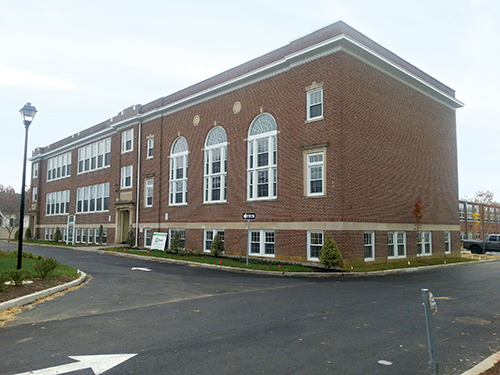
{"x":10,"y":76}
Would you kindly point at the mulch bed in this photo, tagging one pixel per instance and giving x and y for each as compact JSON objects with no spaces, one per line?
{"x":37,"y":285}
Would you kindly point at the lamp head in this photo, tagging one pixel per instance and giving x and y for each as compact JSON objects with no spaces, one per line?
{"x":28,"y":113}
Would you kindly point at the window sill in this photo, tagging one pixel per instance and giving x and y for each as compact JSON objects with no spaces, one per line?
{"x":314,"y":196}
{"x":314,"y":120}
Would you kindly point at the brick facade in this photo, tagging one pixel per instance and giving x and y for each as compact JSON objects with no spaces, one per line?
{"x":387,"y":135}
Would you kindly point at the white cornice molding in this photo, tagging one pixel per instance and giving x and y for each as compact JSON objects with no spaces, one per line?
{"x":338,"y":43}
{"x":72,"y":145}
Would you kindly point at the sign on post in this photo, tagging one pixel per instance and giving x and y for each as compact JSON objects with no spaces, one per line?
{"x":248,"y":216}
{"x":159,"y":241}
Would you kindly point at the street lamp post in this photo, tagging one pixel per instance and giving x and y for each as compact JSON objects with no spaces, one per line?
{"x":28,"y":113}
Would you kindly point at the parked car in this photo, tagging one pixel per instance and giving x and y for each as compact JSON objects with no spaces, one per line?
{"x":492,"y":243}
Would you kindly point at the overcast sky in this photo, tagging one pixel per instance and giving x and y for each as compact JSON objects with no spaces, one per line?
{"x":82,"y":62}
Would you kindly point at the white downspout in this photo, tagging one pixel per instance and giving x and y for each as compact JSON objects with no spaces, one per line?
{"x":138,"y":187}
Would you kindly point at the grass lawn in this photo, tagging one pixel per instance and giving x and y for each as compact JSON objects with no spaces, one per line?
{"x":256,"y":264}
{"x":407,"y":264}
{"x":8,"y":261}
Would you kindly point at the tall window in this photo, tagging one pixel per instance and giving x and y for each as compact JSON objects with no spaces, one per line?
{"x":57,"y":203}
{"x":126,"y":180}
{"x":35,"y":170}
{"x":461,"y":209}
{"x":34,"y":190}
{"x":315,"y":174}
{"x":396,"y":244}
{"x":94,"y":156}
{"x":315,"y":104}
{"x":262,"y":158}
{"x":149,"y":192}
{"x":215,"y":165}
{"x":262,"y":243}
{"x":59,"y":167}
{"x":424,"y":244}
{"x":447,"y":242}
{"x":209,"y":238}
{"x":179,"y":171}
{"x":369,"y":239}
{"x":150,"y":148}
{"x":94,"y":198}
{"x":127,"y":140}
{"x":147,"y":237}
{"x":315,"y":240}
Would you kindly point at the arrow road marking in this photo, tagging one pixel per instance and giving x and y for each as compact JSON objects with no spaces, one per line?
{"x":98,"y":364}
{"x":141,"y":269}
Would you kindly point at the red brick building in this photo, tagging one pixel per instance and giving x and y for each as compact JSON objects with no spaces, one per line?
{"x":477,"y":220}
{"x":330,"y":135}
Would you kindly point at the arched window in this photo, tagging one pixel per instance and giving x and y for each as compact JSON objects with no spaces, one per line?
{"x":262,"y":158}
{"x":215,"y":166}
{"x":179,"y":171}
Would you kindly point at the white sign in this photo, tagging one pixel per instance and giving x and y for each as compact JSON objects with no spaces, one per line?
{"x":249,"y":216}
{"x":98,"y":363}
{"x":159,"y":241}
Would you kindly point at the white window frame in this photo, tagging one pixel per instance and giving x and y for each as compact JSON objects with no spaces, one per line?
{"x":311,"y":166}
{"x":150,"y":148}
{"x":447,"y":242}
{"x":369,"y":247}
{"x":209,"y":235}
{"x":424,"y":244}
{"x":215,"y":146}
{"x":101,"y":198}
{"x":179,"y":172}
{"x":396,"y":239}
{"x":57,"y":203}
{"x":35,"y":170}
{"x":128,"y":140}
{"x":148,"y":192}
{"x":126,"y":177}
{"x":148,"y":237}
{"x":312,"y":102}
{"x":94,"y":156}
{"x":262,"y":141}
{"x":34,"y":191}
{"x":314,"y":242}
{"x":263,"y":241}
{"x":59,"y":167}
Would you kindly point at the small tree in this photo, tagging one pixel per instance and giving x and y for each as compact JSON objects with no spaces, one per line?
{"x":9,"y":209}
{"x":217,"y":247}
{"x":57,"y":235}
{"x":130,"y":237}
{"x":175,"y":242}
{"x":330,"y":255}
{"x":418,"y":215}
{"x":45,"y":266}
{"x":27,"y":234}
{"x":100,"y":234}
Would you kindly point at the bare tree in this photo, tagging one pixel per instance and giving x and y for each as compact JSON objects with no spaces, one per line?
{"x":9,"y":209}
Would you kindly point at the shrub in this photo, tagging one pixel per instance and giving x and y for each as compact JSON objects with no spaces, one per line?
{"x":130,"y":237}
{"x":4,"y":277}
{"x":16,"y":235}
{"x":27,"y":234}
{"x":57,"y":235}
{"x":45,"y":266}
{"x":175,"y":242}
{"x":217,"y":247}
{"x":330,"y":254}
{"x":100,"y":234}
{"x":18,"y":276}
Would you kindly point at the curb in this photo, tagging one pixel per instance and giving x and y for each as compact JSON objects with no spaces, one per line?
{"x":280,"y":274}
{"x":24,"y":300}
{"x":488,"y":363}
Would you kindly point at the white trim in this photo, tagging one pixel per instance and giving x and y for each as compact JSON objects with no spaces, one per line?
{"x":309,"y":257}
